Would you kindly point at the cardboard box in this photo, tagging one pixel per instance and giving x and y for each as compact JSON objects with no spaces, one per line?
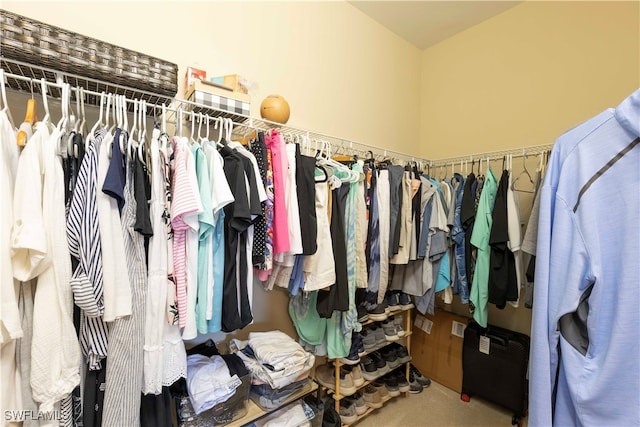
{"x":191,"y":76}
{"x":436,"y":347}
{"x":217,"y":97}
{"x":232,"y":81}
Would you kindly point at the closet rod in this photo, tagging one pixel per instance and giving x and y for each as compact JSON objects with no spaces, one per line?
{"x":173,"y":105}
{"x":533,"y":150}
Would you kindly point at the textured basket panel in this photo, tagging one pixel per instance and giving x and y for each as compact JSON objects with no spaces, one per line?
{"x":27,"y":40}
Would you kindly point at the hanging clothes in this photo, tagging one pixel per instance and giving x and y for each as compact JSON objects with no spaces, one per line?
{"x":479,"y":294}
{"x":585,"y":335}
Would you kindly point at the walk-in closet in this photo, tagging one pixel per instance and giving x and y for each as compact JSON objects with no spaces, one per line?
{"x":319,"y":213}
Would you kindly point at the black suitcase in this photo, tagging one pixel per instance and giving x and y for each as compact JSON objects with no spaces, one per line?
{"x":499,"y":376}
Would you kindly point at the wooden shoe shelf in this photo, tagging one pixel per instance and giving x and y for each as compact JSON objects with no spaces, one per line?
{"x":404,"y":311}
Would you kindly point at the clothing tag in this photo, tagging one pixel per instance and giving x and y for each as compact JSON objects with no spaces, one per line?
{"x":234,"y":383}
{"x":418,"y":322}
{"x":427,"y":325}
{"x":457,"y":329}
{"x":485,"y":344}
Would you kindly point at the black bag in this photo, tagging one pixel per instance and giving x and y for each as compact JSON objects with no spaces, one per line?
{"x":501,"y":375}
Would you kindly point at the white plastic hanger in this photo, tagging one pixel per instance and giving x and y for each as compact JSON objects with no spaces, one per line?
{"x":218,"y":125}
{"x":134,"y":127}
{"x":142,"y":143}
{"x":45,"y":102}
{"x":99,"y":122}
{"x":5,"y":104}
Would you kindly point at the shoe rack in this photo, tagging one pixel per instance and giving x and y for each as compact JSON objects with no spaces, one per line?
{"x":404,"y":311}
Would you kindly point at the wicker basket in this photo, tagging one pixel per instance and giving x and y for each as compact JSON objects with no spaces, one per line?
{"x":24,"y":39}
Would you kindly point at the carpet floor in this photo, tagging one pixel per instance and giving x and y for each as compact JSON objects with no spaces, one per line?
{"x":440,"y":407}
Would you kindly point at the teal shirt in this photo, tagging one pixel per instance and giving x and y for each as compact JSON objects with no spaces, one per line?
{"x":480,"y":239}
{"x":204,"y":242}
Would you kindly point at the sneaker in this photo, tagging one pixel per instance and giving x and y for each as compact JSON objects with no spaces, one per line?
{"x":402,"y":354}
{"x":363,"y":316}
{"x":389,"y":328}
{"x":405,"y":299}
{"x":348,"y":414}
{"x":368,"y":368}
{"x":393,"y":301}
{"x":382,"y":390}
{"x":352,"y":358}
{"x":360,"y":404}
{"x":372,"y":397}
{"x":398,"y":322}
{"x":368,"y":338}
{"x":403,"y":384}
{"x":378,"y":312}
{"x":424,"y":381}
{"x":356,"y":374}
{"x":391,"y":383}
{"x":378,"y":332}
{"x":381,"y":364}
{"x":357,"y":339}
{"x":325,"y":375}
{"x":389,"y":356}
{"x":414,"y":386}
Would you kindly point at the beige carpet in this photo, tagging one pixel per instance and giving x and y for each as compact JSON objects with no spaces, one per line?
{"x":437,"y":406}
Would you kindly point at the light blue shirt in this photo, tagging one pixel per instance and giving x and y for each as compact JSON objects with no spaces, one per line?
{"x":588,"y":266}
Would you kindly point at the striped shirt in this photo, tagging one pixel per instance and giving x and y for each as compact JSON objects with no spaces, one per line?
{"x":185,"y":203}
{"x":83,"y":235}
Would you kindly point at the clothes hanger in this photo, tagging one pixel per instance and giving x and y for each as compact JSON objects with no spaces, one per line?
{"x":99,"y":122}
{"x":5,"y":104}
{"x":143,"y":142}
{"x":31,"y":116}
{"x":525,"y":172}
{"x":131,"y":144}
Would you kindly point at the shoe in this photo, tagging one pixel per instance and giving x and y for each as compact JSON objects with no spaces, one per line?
{"x":381,"y":364}
{"x":393,"y":301}
{"x":405,"y":299}
{"x":378,"y":332}
{"x":325,"y":375}
{"x":391,"y":383}
{"x":348,"y":414}
{"x":398,"y":322}
{"x":389,"y":356}
{"x":402,"y":354}
{"x":414,"y":386}
{"x":352,"y":358}
{"x":378,"y":312}
{"x":368,"y":338}
{"x":368,"y":368}
{"x":382,"y":390}
{"x":424,"y":381}
{"x":357,"y":339}
{"x":403,"y":384}
{"x":363,"y":316}
{"x":356,"y":374}
{"x":389,"y":328}
{"x":372,"y":397}
{"x":358,"y":401}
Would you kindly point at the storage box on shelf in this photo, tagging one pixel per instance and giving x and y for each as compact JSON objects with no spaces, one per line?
{"x":219,"y":98}
{"x":405,"y":312}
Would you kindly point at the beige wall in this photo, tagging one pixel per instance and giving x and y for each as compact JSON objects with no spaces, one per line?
{"x":341,"y":72}
{"x":523,"y":78}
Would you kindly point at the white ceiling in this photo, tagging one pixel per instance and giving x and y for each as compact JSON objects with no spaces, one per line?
{"x":425,"y":23}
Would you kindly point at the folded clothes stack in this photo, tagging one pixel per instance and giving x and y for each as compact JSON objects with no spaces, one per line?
{"x":273,"y":358}
{"x":213,"y":380}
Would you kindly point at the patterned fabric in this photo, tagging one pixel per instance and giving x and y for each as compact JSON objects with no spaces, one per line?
{"x":126,"y":336}
{"x":185,"y":201}
{"x":83,"y":236}
{"x":263,"y":274}
{"x":259,"y":151}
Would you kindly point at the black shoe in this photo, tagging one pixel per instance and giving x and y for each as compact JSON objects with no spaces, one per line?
{"x":389,"y":356}
{"x":353,"y":358}
{"x":378,"y":312}
{"x":393,"y":300}
{"x":368,"y":368}
{"x":402,"y":354}
{"x":392,"y":385}
{"x":421,"y":379}
{"x":363,"y":316}
{"x":405,"y":299}
{"x":380,"y":363}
